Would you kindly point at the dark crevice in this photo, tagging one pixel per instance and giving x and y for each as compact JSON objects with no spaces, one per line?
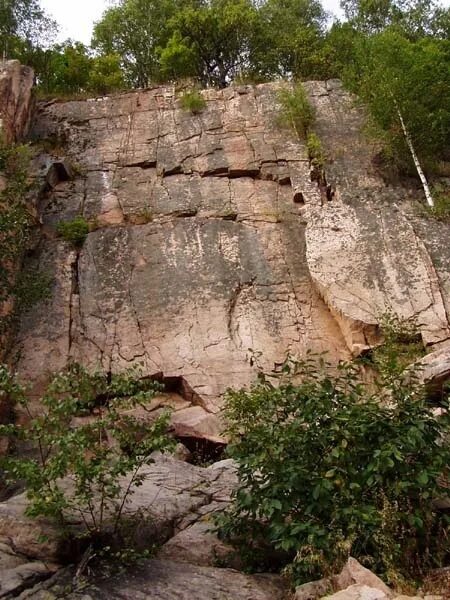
{"x":177,"y":385}
{"x":299,"y":198}
{"x":218,"y":172}
{"x":178,"y":170}
{"x":229,"y":217}
{"x":186,"y":213}
{"x":74,"y":291}
{"x":145,"y":164}
{"x":330,"y":192}
{"x":437,"y":391}
{"x":236,"y":173}
{"x":75,"y":275}
{"x":203,"y":452}
{"x":284,"y":180}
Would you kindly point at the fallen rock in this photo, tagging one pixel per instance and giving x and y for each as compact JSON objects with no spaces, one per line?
{"x":354,"y":573}
{"x":15,"y":579}
{"x":314,"y":589}
{"x":359,"y":592}
{"x":434,"y":368}
{"x":182,"y":453}
{"x":196,"y":422}
{"x":199,"y":545}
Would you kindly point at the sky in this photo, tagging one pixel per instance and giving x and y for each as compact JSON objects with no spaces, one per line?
{"x":76,"y":17}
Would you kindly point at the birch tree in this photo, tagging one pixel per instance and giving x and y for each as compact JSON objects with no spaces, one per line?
{"x":405,"y":86}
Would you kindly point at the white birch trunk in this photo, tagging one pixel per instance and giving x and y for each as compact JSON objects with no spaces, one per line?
{"x":423,"y":179}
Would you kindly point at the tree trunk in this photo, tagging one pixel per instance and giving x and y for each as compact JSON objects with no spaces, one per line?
{"x":423,"y":179}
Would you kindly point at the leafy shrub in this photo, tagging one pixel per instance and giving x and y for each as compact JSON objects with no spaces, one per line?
{"x":32,"y":287}
{"x":316,"y":157}
{"x":15,"y":220}
{"x":74,"y":231}
{"x":296,"y":111}
{"x":402,"y":346}
{"x":441,"y":208}
{"x":327,"y":470}
{"x":76,"y":469}
{"x":193,"y":101}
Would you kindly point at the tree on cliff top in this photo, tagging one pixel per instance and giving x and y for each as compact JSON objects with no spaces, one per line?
{"x":135,"y":30}
{"x":23,"y":25}
{"x":215,"y":41}
{"x":219,"y":41}
{"x":415,"y":18}
{"x":405,"y":84}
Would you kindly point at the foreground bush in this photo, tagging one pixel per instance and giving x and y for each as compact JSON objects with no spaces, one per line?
{"x":74,"y":469}
{"x":328,"y":469}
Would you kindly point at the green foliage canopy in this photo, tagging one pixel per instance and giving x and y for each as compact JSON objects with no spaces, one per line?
{"x":220,"y":36}
{"x":391,"y":73}
{"x":135,"y":30}
{"x":214,"y":41}
{"x":23,"y":25}
{"x":71,"y":68}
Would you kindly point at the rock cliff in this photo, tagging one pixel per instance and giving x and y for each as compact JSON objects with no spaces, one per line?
{"x":212,"y":249}
{"x":16,"y":83}
{"x":211,"y":244}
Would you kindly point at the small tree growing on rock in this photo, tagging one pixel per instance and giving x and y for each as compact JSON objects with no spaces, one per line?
{"x":84,"y":471}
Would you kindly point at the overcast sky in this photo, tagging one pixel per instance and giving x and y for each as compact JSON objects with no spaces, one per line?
{"x":76,"y":17}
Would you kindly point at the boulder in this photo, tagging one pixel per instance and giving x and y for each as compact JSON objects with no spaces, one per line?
{"x":165,"y":580}
{"x":13,"y":580}
{"x":199,"y":545}
{"x":359,"y":592}
{"x":196,"y":422}
{"x":354,"y":573}
{"x":314,"y":589}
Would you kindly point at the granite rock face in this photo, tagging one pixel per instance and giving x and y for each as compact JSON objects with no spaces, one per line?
{"x":368,"y":249}
{"x":16,"y":83}
{"x":212,"y":243}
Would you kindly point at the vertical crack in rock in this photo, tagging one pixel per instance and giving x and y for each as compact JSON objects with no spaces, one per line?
{"x":74,"y":298}
{"x":232,"y":324}
{"x":437,"y":302}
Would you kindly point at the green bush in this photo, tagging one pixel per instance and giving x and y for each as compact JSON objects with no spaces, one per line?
{"x":92,"y":456}
{"x":296,"y":111}
{"x":329,"y":468}
{"x":402,"y":345}
{"x":31,"y":288}
{"x":74,"y":231}
{"x":441,"y":208}
{"x":315,"y":150}
{"x":15,"y":220}
{"x":193,"y":101}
